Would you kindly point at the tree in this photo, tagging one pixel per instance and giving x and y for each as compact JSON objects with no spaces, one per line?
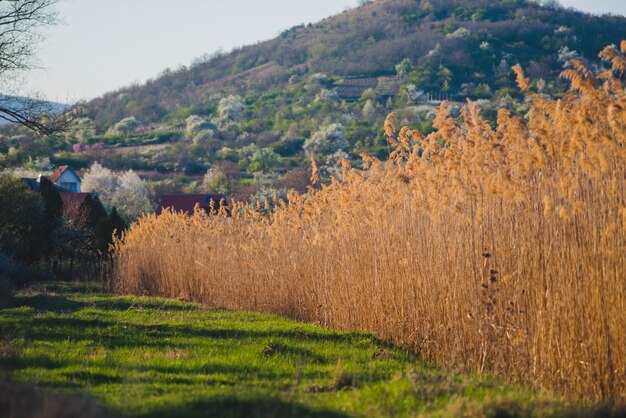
{"x":91,"y":212}
{"x":125,"y":190}
{"x":106,"y":228}
{"x":415,"y":96}
{"x":71,"y":242}
{"x":369,"y":110}
{"x":23,"y":212}
{"x":404,"y":67}
{"x":131,"y":197}
{"x":53,"y":211}
{"x":195,"y":125}
{"x":20,"y":22}
{"x":101,"y":180}
{"x":327,"y":140}
{"x":231,"y":107}
{"x":81,"y":128}
{"x":117,"y":222}
{"x":551,"y":4}
{"x":52,"y":200}
{"x":126,"y":126}
{"x":331,"y":165}
{"x":263,"y":160}
{"x":216,"y":181}
{"x":102,"y":235}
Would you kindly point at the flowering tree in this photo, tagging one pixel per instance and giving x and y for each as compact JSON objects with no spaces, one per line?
{"x":101,"y":180}
{"x":415,"y":96}
{"x":126,"y":191}
{"x":195,"y":125}
{"x":81,"y":128}
{"x":327,"y":140}
{"x":215,"y":181}
{"x":231,"y":107}
{"x":126,"y":126}
{"x":131,"y":197}
{"x":327,"y":96}
{"x":369,"y":110}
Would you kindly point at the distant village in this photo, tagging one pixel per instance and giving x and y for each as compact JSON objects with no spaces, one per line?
{"x":68,"y":184}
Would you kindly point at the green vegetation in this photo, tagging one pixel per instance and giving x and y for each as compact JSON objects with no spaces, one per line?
{"x":150,"y":357}
{"x":39,"y":237}
{"x":349,"y":70}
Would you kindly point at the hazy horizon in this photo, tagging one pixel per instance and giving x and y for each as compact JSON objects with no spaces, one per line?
{"x":104,"y":46}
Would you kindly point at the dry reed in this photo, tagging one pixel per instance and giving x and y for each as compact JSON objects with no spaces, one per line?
{"x":500,"y":250}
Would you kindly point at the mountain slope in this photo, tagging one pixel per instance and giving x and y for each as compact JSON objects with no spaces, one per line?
{"x":452,"y":42}
{"x":28,"y":105}
{"x":257,"y":115}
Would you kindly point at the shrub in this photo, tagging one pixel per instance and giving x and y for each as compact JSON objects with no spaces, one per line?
{"x":231,"y":107}
{"x":124,"y":127}
{"x":21,"y":223}
{"x":9,"y":272}
{"x":325,"y":141}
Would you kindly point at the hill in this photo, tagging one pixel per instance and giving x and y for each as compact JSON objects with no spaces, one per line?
{"x":450,"y":41}
{"x":24,"y":104}
{"x":258,"y":114}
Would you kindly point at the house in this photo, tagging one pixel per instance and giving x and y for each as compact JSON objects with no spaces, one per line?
{"x":73,"y":201}
{"x":66,"y":178}
{"x":34,"y":185}
{"x":186,"y":203}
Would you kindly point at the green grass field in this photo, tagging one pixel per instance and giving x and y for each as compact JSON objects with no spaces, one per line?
{"x":150,"y":357}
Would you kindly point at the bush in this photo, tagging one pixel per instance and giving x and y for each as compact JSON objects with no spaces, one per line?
{"x":9,"y":272}
{"x":22,"y":220}
{"x":124,"y":127}
{"x":326,"y":140}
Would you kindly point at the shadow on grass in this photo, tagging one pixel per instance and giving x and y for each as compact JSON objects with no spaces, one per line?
{"x":114,"y":334}
{"x":119,"y":304}
{"x":20,"y":400}
{"x":58,"y":322}
{"x":112,"y":325}
{"x":46,"y":303}
{"x":232,"y":407}
{"x":68,"y":287}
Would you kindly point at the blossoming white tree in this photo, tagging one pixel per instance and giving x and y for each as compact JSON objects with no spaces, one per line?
{"x":231,"y":107}
{"x":195,"y":125}
{"x":131,"y":196}
{"x":126,"y":191}
{"x":327,"y":140}
{"x":215,"y":181}
{"x":125,"y":126}
{"x":101,"y":180}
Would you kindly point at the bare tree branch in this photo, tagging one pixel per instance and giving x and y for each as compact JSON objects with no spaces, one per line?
{"x":20,"y":21}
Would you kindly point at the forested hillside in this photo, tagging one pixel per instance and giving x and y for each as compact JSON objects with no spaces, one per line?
{"x":451,"y":45}
{"x":251,"y":120}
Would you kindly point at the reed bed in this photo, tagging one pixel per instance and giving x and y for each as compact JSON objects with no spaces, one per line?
{"x":499,"y":249}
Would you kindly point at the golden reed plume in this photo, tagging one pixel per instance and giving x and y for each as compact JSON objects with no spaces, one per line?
{"x":484,"y":249}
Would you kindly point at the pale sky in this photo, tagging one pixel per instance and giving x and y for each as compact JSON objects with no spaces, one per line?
{"x":105,"y":45}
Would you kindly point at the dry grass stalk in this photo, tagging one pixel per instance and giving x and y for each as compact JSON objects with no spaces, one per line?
{"x":484,"y":249}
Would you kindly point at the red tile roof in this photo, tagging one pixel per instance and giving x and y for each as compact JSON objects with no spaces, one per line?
{"x":59,"y":172}
{"x":72,"y":202}
{"x":187,"y":202}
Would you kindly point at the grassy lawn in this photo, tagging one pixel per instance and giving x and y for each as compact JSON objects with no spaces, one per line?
{"x":150,"y":357}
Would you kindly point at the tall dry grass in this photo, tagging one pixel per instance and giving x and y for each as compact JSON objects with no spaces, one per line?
{"x":500,"y":250}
